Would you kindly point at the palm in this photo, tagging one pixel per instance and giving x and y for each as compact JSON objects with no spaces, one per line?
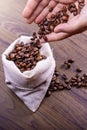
{"x":65,"y":30}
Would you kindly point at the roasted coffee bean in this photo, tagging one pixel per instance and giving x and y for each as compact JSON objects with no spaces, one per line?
{"x":46,"y":23}
{"x":79,"y":84}
{"x":12,"y":56}
{"x":72,"y":5}
{"x":75,"y":13}
{"x":39,"y":57}
{"x":64,"y":85}
{"x":78,"y":70}
{"x":64,"y":9}
{"x":55,"y":88}
{"x":57,"y":73}
{"x":60,"y":87}
{"x":51,"y":28}
{"x":67,"y":81}
{"x":68,"y":87}
{"x":45,"y":38}
{"x":64,"y":77}
{"x":51,"y":9}
{"x":80,"y":6}
{"x":9,"y":83}
{"x":48,"y":93}
{"x":34,"y":34}
{"x":67,"y":65}
{"x":82,"y":78}
{"x":77,"y":75}
{"x":70,"y":61}
{"x":54,"y":78}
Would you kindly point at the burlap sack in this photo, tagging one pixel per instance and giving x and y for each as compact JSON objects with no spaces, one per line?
{"x":29,"y":86}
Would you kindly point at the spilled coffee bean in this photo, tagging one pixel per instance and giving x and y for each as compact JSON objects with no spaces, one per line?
{"x":61,"y":82}
{"x":78,"y":70}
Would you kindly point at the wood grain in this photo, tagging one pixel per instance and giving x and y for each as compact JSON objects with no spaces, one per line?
{"x":64,"y":110}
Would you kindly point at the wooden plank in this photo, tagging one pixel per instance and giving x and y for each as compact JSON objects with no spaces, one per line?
{"x":63,"y":109}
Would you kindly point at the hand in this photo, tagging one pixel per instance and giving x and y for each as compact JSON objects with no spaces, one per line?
{"x":37,"y":10}
{"x":75,"y":25}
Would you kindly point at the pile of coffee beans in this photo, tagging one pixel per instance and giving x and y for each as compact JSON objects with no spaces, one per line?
{"x":62,"y":82}
{"x":47,"y":25}
{"x":26,"y":56}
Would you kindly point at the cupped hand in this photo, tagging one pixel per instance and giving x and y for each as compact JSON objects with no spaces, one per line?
{"x":75,"y":25}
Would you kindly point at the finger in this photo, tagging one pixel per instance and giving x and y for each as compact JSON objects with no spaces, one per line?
{"x":45,"y":12}
{"x":38,"y":10}
{"x":30,"y":7}
{"x":56,"y":36}
{"x":57,"y":8}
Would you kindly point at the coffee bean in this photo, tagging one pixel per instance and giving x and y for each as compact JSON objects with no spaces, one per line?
{"x":54,"y":78}
{"x":68,"y":87}
{"x":46,"y":23}
{"x":51,"y":9}
{"x":53,"y":16}
{"x":64,"y":77}
{"x":12,"y":56}
{"x":60,"y":87}
{"x":57,"y":73}
{"x":48,"y":93}
{"x":67,"y":65}
{"x":85,"y":75}
{"x":79,"y":84}
{"x":45,"y":38}
{"x":55,"y":88}
{"x":51,"y":27}
{"x":77,"y":75}
{"x":67,"y":81}
{"x":64,"y":9}
{"x":78,"y":70}
{"x":70,"y":61}
{"x":38,"y":58}
{"x":9,"y":83}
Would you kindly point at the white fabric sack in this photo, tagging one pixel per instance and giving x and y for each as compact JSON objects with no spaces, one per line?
{"x":30,"y":86}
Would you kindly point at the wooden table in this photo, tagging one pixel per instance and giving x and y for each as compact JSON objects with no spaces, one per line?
{"x":64,"y":110}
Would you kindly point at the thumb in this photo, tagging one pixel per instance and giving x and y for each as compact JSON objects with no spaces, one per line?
{"x":70,"y":27}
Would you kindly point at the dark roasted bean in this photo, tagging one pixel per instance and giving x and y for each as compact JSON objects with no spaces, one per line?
{"x":70,"y":61}
{"x":51,"y":9}
{"x":60,"y":87}
{"x":48,"y":93}
{"x":45,"y":38}
{"x":78,"y":70}
{"x":64,"y":77}
{"x":69,"y":87}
